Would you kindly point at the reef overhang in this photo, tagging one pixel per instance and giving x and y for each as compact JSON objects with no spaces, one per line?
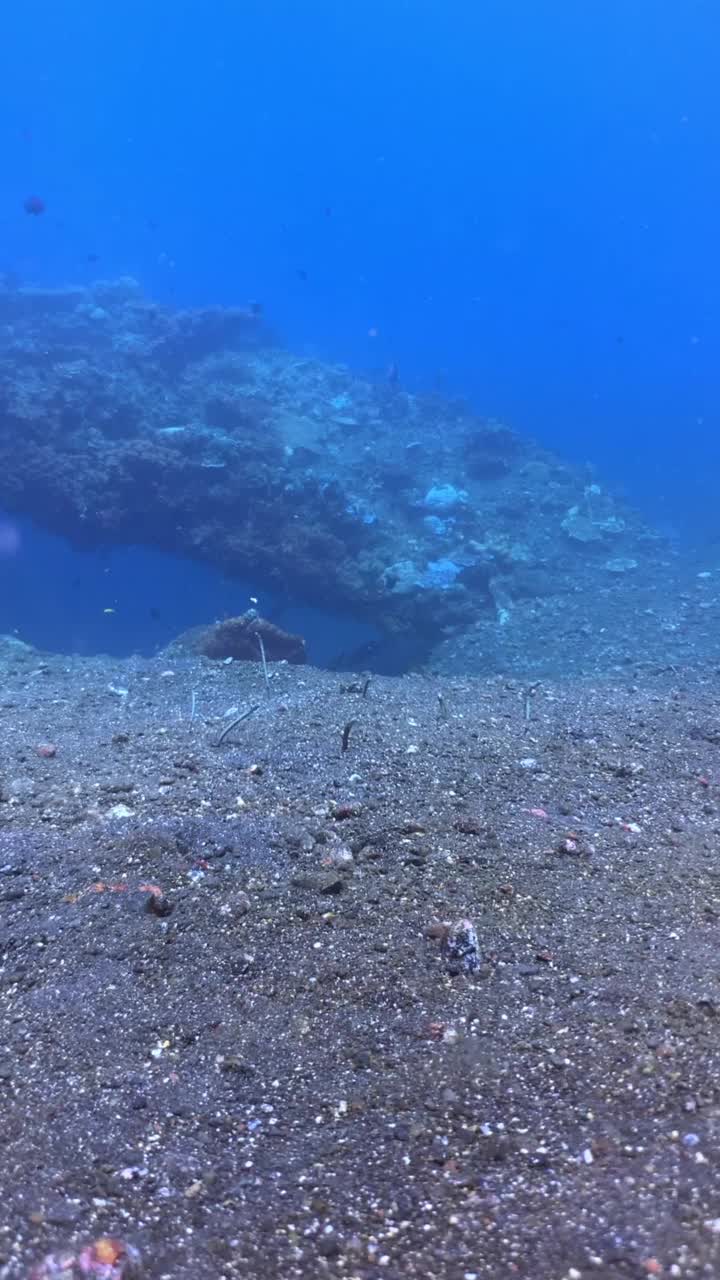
{"x":122,"y":421}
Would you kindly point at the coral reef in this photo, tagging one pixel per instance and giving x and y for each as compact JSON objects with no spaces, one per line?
{"x":194,"y":432}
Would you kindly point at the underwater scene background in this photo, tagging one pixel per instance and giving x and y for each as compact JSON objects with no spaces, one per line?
{"x":359,"y":640}
{"x":513,"y":204}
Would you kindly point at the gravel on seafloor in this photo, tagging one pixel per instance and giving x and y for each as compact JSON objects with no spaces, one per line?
{"x":435,"y":996}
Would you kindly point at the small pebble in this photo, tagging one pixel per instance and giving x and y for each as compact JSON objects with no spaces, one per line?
{"x":462,"y":948}
{"x":159,"y":905}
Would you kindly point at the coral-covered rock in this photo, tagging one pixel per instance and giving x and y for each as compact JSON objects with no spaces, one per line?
{"x":241,"y":637}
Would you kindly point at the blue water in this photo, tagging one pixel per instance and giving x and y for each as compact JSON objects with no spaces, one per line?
{"x":515,"y":200}
{"x":123,"y":600}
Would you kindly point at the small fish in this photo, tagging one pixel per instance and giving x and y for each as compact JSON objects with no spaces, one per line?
{"x":108,"y":610}
{"x":301,"y":273}
{"x":393,"y":373}
{"x":34,"y":205}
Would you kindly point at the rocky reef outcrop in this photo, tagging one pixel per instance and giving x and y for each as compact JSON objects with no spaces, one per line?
{"x":248,"y":638}
{"x":195,"y":432}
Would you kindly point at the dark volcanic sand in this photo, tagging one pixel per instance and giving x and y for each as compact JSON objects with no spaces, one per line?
{"x":281,"y":1077}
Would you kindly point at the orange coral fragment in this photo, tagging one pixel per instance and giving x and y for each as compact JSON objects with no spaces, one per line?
{"x":108,"y":1251}
{"x":119,"y":887}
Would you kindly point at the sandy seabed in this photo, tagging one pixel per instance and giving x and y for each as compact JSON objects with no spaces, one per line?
{"x":234,"y":1032}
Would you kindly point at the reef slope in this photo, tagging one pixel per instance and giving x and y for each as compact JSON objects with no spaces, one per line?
{"x":193,"y":431}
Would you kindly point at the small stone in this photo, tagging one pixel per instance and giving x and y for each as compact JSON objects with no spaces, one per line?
{"x":343,"y":811}
{"x":462,"y":949}
{"x":330,"y":883}
{"x":469,"y":826}
{"x":236,"y":906}
{"x":46,"y":750}
{"x":340,"y":857}
{"x":120,"y":811}
{"x":439,"y":1153}
{"x":329,"y":1246}
{"x":438,"y":930}
{"x":232,"y":1064}
{"x":158,"y":905}
{"x":574,"y":847}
